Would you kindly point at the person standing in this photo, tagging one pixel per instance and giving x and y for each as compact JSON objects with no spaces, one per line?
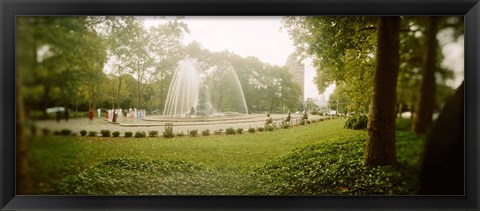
{"x":90,"y":116}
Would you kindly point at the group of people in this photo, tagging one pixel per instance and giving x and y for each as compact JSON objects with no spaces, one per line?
{"x":286,"y":120}
{"x":116,"y":115}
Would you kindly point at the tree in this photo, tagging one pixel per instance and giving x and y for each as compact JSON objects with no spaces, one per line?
{"x":123,"y":34}
{"x":25,"y":53}
{"x":426,"y":100}
{"x":69,"y":53}
{"x":381,"y":148}
{"x":343,"y":50}
{"x":166,"y":49}
{"x":339,"y":101}
{"x":265,"y":87}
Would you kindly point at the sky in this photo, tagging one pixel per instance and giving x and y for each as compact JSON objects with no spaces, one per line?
{"x":262,"y":37}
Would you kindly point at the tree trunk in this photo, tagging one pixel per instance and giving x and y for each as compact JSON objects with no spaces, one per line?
{"x":381,"y":148}
{"x":46,"y":98}
{"x":119,"y":90}
{"x":28,"y":58}
{"x":426,"y":101}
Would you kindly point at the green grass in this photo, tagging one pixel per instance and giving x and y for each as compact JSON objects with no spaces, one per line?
{"x":216,"y":164}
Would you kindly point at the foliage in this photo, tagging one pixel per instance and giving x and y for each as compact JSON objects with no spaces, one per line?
{"x":230,"y":131}
{"x":140,"y":134}
{"x":65,"y":132}
{"x":357,"y":122}
{"x":83,"y":132}
{"x":342,"y":48}
{"x":251,"y":130}
{"x":116,"y":134}
{"x":122,"y":176}
{"x":232,"y":157}
{"x":265,"y":87}
{"x":193,"y":132}
{"x":105,"y":133}
{"x":153,"y":133}
{"x":179,"y":134}
{"x":336,"y":168}
{"x":260,"y":129}
{"x":92,"y":133}
{"x":269,"y":127}
{"x":170,"y":134}
{"x":239,"y":130}
{"x":128,"y":134}
{"x":206,"y":132}
{"x":403,"y":124}
{"x":218,"y":132}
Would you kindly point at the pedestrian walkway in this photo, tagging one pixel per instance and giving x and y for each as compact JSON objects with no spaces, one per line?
{"x":134,"y":125}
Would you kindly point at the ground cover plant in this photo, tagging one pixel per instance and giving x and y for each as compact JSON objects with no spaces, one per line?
{"x":282,"y":162}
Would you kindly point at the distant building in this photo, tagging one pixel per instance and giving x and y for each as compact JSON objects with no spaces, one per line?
{"x":297,"y":70}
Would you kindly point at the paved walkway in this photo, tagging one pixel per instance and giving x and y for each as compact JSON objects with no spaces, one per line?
{"x":133,"y":125}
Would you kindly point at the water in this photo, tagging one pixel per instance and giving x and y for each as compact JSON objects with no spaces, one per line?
{"x":195,"y":93}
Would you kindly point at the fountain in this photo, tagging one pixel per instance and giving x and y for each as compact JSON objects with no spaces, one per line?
{"x":208,"y":93}
{"x":183,"y":91}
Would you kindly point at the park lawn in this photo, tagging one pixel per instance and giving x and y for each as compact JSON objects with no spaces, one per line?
{"x":212,"y":165}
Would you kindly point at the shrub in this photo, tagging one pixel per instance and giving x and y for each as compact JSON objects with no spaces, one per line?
{"x":193,"y":132}
{"x":403,"y":124}
{"x":251,"y":130}
{"x":83,"y":132}
{"x":92,"y":133}
{"x":230,"y":131}
{"x":128,"y":134}
{"x":218,"y":132}
{"x":153,"y":133}
{"x":140,"y":134}
{"x":168,"y":133}
{"x":65,"y":132}
{"x":308,"y":121}
{"x":285,"y":125}
{"x":206,"y":132}
{"x":302,"y":122}
{"x":116,"y":134}
{"x":179,"y":134}
{"x":357,"y":122}
{"x":239,"y":130}
{"x":105,"y":133}
{"x":56,"y":132}
{"x":260,"y":129}
{"x":269,"y":127}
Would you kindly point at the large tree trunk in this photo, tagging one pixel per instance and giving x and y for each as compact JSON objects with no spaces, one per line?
{"x":426,"y":101}
{"x":27,"y":56}
{"x":381,"y":148}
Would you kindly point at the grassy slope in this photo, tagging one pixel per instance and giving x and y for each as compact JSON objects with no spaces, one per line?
{"x":223,"y":160}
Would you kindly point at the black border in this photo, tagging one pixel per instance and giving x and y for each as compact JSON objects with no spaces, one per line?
{"x":10,"y":8}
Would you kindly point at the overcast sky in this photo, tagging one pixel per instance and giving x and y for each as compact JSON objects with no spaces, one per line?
{"x":262,"y":37}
